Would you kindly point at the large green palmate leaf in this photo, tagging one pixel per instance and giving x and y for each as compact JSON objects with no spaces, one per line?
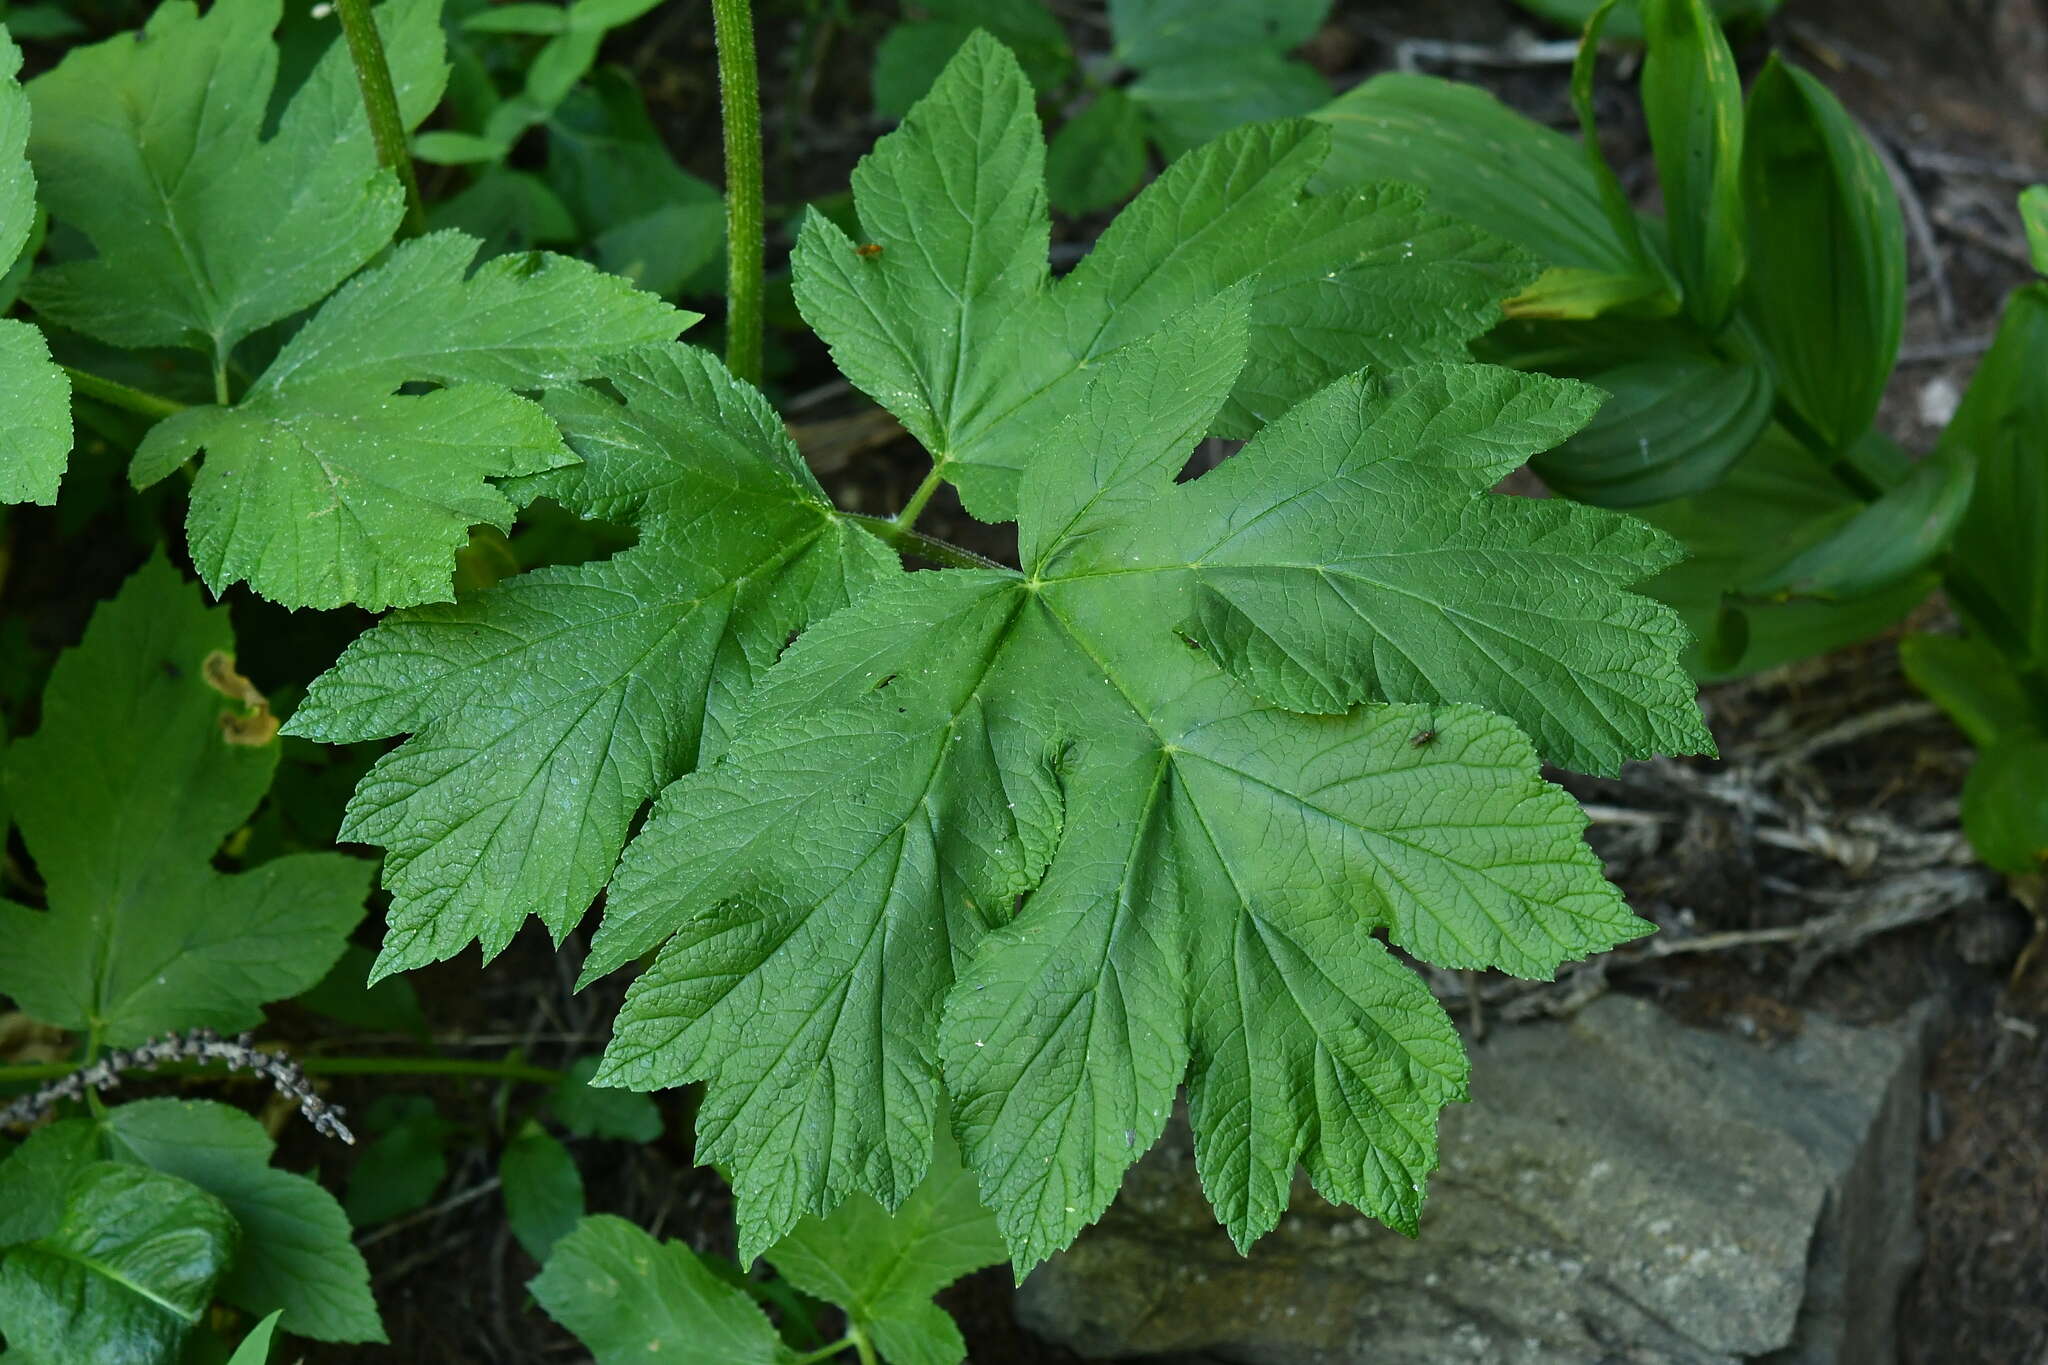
{"x":33,"y":391}
{"x":1204,"y":871}
{"x":152,"y":144}
{"x":956,"y":327}
{"x":123,"y":1275}
{"x":547,"y":710}
{"x":325,"y":485}
{"x":140,"y":769}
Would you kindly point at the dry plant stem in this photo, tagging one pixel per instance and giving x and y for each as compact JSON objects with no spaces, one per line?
{"x":189,"y":1053}
{"x":199,"y":1046}
{"x":739,"y":91}
{"x":380,"y":103}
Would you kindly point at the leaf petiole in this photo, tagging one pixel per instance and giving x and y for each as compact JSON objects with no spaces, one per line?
{"x":900,"y":537}
{"x":118,"y":395}
{"x":907,"y":518}
{"x":848,"y":1342}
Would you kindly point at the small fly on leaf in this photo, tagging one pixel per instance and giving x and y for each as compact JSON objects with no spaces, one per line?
{"x":870,"y":251}
{"x":1422,"y":738}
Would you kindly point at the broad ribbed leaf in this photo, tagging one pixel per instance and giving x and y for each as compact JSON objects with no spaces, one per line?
{"x":1692,"y":99}
{"x":325,"y":485}
{"x":1827,"y":277}
{"x":1485,"y":164}
{"x":1679,"y":412}
{"x":956,"y":327}
{"x":546,"y":711}
{"x":140,"y":769}
{"x":937,"y":744}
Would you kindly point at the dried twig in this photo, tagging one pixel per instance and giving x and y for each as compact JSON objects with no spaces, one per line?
{"x":201,"y":1045}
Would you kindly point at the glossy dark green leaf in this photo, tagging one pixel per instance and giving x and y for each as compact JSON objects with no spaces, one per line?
{"x":1679,"y":412}
{"x":1974,"y":683}
{"x":1692,"y":98}
{"x":1098,"y":158}
{"x":35,"y":1176}
{"x":2005,"y":804}
{"x":2000,"y":568}
{"x":123,"y":1276}
{"x":1827,"y":249}
{"x":295,"y":1254}
{"x":543,"y":1191}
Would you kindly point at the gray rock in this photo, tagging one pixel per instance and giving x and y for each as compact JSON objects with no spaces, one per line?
{"x":1623,"y":1191}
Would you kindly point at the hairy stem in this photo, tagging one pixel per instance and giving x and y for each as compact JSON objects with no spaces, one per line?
{"x":902,"y":538}
{"x":118,"y":395}
{"x":380,"y":102}
{"x":739,"y":90}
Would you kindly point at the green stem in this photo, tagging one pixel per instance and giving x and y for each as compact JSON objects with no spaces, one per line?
{"x":907,"y":541}
{"x":739,"y":89}
{"x":907,"y":518}
{"x":861,"y":1344}
{"x":845,"y":1343}
{"x":117,"y":395}
{"x":34,"y":1072}
{"x":380,"y":102}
